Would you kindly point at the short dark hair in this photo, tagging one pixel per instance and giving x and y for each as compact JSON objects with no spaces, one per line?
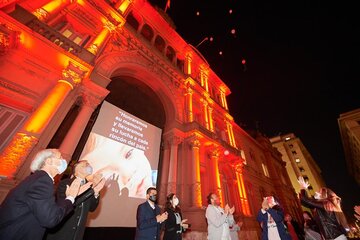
{"x":209,"y":198}
{"x":150,"y":189}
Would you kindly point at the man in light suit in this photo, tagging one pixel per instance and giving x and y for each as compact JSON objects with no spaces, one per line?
{"x":148,"y":218}
{"x":219,"y":220}
{"x":30,"y":207}
{"x":72,"y":226}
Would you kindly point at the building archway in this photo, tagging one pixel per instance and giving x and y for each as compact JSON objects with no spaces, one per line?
{"x":132,"y":68}
{"x":136,"y":98}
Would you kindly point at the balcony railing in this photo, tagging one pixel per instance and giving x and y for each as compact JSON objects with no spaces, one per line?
{"x":51,"y":34}
{"x":197,"y":126}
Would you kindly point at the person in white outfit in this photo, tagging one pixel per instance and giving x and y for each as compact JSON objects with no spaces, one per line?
{"x":218,"y":219}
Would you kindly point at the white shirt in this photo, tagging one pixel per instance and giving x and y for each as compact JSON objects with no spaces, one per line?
{"x":273,"y":233}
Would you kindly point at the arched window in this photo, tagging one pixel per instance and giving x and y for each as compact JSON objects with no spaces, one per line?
{"x":180,"y":64}
{"x":147,"y":32}
{"x":159,"y":44}
{"x":170,"y":53}
{"x":132,"y":21}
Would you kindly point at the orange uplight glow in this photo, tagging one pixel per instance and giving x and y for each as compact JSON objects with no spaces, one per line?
{"x":188,"y":61}
{"x":26,"y":40}
{"x":211,"y":120}
{"x":52,"y":6}
{"x":14,"y":155}
{"x":196,"y":167}
{"x":243,"y":198}
{"x":124,"y":5}
{"x":191,"y":117}
{"x":99,"y":40}
{"x":49,"y":106}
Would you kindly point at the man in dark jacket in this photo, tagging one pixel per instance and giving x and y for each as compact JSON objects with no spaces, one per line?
{"x":73,"y":226}
{"x":30,"y":207}
{"x":148,"y":218}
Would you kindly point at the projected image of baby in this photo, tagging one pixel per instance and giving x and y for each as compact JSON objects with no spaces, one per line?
{"x":126,"y":165}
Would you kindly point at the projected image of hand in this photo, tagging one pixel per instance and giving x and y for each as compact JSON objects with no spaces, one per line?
{"x":126,"y":165}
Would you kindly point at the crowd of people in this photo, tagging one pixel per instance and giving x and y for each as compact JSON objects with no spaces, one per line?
{"x":32,"y":211}
{"x":327,"y":220}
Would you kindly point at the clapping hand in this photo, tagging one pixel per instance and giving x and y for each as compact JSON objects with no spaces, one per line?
{"x":74,"y":189}
{"x":183,"y":224}
{"x":303,"y":184}
{"x":265,"y":204}
{"x":98,"y":183}
{"x":161,"y":217}
{"x":97,"y":188}
{"x":84,"y":187}
{"x":227,"y":209}
{"x":232,"y":210}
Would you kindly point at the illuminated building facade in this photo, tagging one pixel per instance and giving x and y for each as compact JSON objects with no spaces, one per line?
{"x":299,"y":162}
{"x":349,"y":125}
{"x":60,"y":59}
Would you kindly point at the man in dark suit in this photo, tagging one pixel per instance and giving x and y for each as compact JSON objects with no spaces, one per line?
{"x":148,"y":218}
{"x":73,"y":225}
{"x":30,"y":207}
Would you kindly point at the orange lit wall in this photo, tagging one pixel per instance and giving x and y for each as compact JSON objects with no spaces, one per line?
{"x":43,"y":114}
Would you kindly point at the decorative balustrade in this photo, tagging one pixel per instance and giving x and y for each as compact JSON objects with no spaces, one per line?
{"x":51,"y":34}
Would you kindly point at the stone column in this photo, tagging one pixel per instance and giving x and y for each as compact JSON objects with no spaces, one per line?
{"x":241,"y":187}
{"x":211,"y":121}
{"x":23,"y":141}
{"x":232,"y":135}
{"x":50,"y":9}
{"x":123,"y":6}
{"x":173,"y":163}
{"x":195,"y":174}
{"x":214,"y":158}
{"x":90,"y":99}
{"x":189,"y":106}
{"x":206,"y":117}
{"x":101,"y":38}
{"x":164,"y":172}
{"x":187,"y":68}
{"x":228,"y":132}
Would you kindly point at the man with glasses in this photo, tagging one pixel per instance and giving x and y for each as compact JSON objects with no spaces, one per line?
{"x":30,"y":207}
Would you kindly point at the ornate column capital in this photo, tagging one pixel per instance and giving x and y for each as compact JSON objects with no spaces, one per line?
{"x":214,"y":152}
{"x":91,"y":94}
{"x":238,"y":166}
{"x":204,"y":102}
{"x":72,"y":75}
{"x":195,"y":143}
{"x":9,"y":38}
{"x":189,"y":91}
{"x":110,"y":26}
{"x":175,"y":140}
{"x":41,"y":14}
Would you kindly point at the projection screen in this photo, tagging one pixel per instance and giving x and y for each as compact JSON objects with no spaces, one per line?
{"x":125,"y":150}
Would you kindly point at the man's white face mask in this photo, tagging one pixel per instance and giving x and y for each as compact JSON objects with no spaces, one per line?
{"x":317,"y":196}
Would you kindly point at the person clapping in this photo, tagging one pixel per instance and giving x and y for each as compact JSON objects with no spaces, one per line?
{"x":271,"y":219}
{"x":30,"y":207}
{"x":219,"y":220}
{"x":175,"y":225}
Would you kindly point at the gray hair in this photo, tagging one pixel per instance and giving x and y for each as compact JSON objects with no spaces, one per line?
{"x":39,"y":159}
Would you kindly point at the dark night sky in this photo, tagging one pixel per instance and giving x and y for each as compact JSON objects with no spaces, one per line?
{"x":302,"y":61}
